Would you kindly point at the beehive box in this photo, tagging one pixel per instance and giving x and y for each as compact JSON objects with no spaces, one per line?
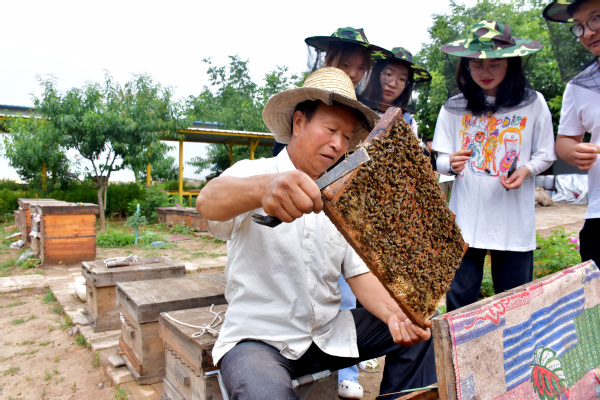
{"x":537,"y":341}
{"x":24,"y":226}
{"x":67,"y":232}
{"x":101,"y":287}
{"x":392,"y":212}
{"x":140,"y":304}
{"x":188,"y":358}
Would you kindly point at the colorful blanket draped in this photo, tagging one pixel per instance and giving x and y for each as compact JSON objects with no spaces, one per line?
{"x":540,"y":343}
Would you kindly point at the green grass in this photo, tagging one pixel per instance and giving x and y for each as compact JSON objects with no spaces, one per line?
{"x":10,"y":264}
{"x":120,"y":238}
{"x":26,"y":342}
{"x":215,"y":255}
{"x":49,"y":297}
{"x":56,"y":359}
{"x":57,"y":309}
{"x":47,"y":376}
{"x":120,"y":394}
{"x":15,"y":304}
{"x":80,"y":340}
{"x":11,"y":370}
{"x":17,"y":321}
{"x":44,"y":343}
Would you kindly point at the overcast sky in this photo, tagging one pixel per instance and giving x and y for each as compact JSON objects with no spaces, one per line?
{"x":75,"y":41}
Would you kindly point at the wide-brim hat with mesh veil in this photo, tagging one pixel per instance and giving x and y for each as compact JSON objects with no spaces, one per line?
{"x":556,"y":11}
{"x":420,"y":74}
{"x":347,"y":35}
{"x":330,"y":85}
{"x":491,"y":39}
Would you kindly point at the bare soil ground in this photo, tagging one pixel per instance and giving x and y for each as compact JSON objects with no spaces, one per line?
{"x":38,"y":360}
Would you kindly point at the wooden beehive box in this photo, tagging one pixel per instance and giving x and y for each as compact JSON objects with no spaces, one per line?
{"x":25,"y":205}
{"x":392,"y":212}
{"x":197,"y":221}
{"x":67,"y":232}
{"x":188,"y":358}
{"x":101,"y":287}
{"x":141,"y":303}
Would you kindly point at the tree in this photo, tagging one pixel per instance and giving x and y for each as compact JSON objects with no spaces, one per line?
{"x":33,"y":144}
{"x":525,"y":19}
{"x":235,"y":103}
{"x":162,"y":170}
{"x":111,"y":126}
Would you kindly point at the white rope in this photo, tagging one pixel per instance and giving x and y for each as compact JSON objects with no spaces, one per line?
{"x":204,"y":328}
{"x":129,"y":258}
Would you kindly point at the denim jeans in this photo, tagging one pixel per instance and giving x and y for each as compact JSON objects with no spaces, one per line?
{"x":509,"y":270}
{"x":256,"y":370}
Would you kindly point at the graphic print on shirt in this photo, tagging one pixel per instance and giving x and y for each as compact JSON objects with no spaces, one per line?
{"x":495,"y":142}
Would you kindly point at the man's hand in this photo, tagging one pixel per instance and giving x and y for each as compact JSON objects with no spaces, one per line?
{"x":404,"y":332}
{"x":458,"y":160}
{"x":516,"y":180}
{"x":290,"y":195}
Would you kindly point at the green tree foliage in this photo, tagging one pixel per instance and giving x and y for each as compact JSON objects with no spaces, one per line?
{"x":235,"y":103}
{"x":111,"y":126}
{"x":162,"y":171}
{"x":33,"y":143}
{"x":525,"y":20}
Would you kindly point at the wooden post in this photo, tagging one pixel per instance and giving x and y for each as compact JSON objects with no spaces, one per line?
{"x":148,"y":172}
{"x":44,"y":172}
{"x":180,"y":171}
{"x":253,"y":145}
{"x":230,"y":148}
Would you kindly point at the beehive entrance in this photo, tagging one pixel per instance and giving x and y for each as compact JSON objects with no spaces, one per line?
{"x":394,"y":215}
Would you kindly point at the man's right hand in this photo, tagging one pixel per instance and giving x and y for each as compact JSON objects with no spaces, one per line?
{"x":458,"y":160}
{"x":290,"y":195}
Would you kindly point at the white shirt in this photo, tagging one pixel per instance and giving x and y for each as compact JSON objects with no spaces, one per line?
{"x":282,"y":282}
{"x":489,"y":216}
{"x":580,"y":114}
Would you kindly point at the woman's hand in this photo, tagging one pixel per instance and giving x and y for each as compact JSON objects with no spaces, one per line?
{"x":458,"y":160}
{"x":585,"y":155}
{"x":515,"y":180}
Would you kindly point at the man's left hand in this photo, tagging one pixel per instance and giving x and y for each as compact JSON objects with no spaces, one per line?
{"x":404,"y":332}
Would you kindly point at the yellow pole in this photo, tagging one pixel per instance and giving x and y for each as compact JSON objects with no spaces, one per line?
{"x":180,"y":171}
{"x":148,"y":172}
{"x":44,"y":172}
{"x":253,"y":145}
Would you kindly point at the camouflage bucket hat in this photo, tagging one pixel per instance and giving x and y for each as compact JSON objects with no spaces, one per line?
{"x":556,"y":11}
{"x":491,"y":39}
{"x":347,"y":35}
{"x":419,"y":73}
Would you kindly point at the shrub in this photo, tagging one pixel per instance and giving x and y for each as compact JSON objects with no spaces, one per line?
{"x":556,"y":252}
{"x":154,"y":196}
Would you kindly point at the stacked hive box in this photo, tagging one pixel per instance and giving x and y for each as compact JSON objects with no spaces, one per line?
{"x":65,"y":233}
{"x":24,"y":217}
{"x":141,"y":303}
{"x":101,"y":286}
{"x":186,"y":216}
{"x":189,"y":357}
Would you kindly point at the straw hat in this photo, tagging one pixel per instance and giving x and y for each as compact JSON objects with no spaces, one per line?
{"x":491,"y":39}
{"x":557,"y":11}
{"x":331,"y":86}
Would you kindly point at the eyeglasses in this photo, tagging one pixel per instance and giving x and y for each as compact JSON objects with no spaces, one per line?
{"x":579,"y":29}
{"x":390,"y":76}
{"x":477,"y":66}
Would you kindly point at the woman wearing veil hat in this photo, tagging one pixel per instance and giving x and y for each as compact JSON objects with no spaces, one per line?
{"x":494,"y":136}
{"x":581,"y":113}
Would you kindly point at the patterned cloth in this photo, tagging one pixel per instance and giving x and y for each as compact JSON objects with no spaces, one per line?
{"x":538,"y":343}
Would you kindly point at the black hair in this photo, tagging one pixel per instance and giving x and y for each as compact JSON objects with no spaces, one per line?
{"x":511,"y":91}
{"x":573,"y":7}
{"x":374,"y":91}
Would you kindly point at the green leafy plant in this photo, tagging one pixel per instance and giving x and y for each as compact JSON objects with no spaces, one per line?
{"x":96,"y":361}
{"x":80,"y":340}
{"x":10,"y":370}
{"x":154,"y":196}
{"x":120,"y":394}
{"x":49,"y":297}
{"x":47,"y":376}
{"x":556,"y":252}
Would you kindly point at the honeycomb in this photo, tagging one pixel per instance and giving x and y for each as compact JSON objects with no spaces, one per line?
{"x":393,"y":213}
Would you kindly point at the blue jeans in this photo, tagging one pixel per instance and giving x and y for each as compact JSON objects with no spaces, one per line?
{"x":509,"y":270}
{"x":348,"y":303}
{"x":405,"y":367}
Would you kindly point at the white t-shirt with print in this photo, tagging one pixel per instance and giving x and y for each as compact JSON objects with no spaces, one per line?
{"x":580,"y":114}
{"x":489,"y":216}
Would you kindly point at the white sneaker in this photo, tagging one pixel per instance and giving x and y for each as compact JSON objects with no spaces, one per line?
{"x":350,"y":390}
{"x":371,"y":365}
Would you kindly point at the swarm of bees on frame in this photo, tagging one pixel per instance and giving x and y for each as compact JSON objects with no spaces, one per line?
{"x":402,"y":221}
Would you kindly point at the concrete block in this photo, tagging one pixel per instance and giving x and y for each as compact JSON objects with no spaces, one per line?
{"x":116,"y":360}
{"x":120,"y":375}
{"x":140,"y":392}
